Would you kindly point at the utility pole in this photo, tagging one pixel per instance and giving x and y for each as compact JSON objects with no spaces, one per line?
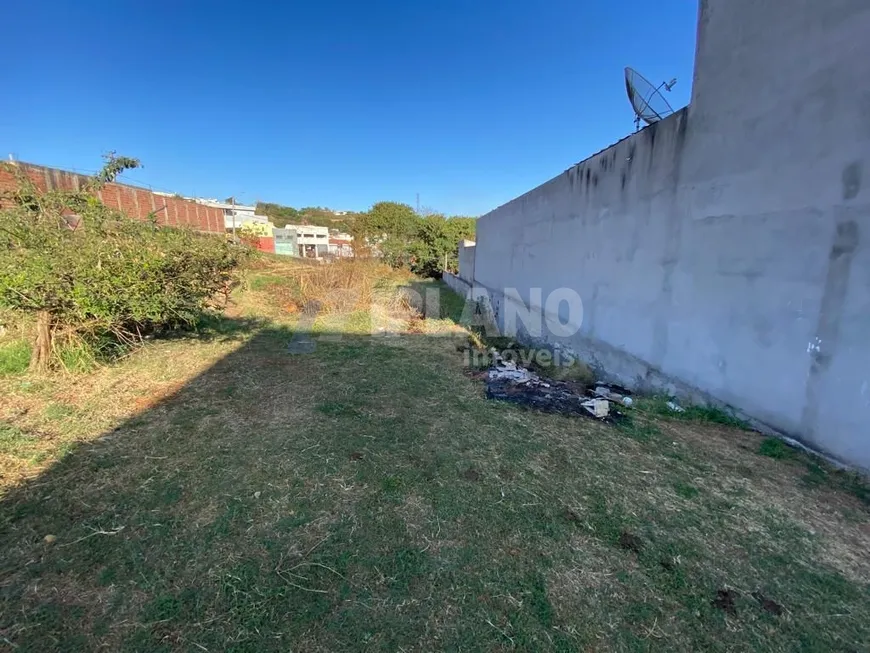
{"x":418,"y":203}
{"x":233,"y":204}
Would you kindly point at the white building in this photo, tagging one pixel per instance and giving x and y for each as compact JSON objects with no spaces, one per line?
{"x":313,"y":242}
{"x":235,"y":215}
{"x":340,"y":244}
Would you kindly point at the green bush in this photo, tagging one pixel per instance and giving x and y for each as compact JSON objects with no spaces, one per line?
{"x":775,"y":448}
{"x":427,"y":245}
{"x":436,"y":244}
{"x":92,"y":274}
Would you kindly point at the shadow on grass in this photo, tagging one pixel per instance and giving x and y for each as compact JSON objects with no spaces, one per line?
{"x":203,"y":521}
{"x":193,"y":512}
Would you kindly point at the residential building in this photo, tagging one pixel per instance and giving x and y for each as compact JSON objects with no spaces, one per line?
{"x":235,"y":215}
{"x":340,"y":244}
{"x":311,"y":241}
{"x":286,"y":241}
{"x":340,"y":247}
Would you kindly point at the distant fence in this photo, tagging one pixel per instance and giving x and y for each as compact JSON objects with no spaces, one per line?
{"x":135,"y":202}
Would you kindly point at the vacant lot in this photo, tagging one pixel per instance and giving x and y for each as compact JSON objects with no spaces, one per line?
{"x":220,"y":493}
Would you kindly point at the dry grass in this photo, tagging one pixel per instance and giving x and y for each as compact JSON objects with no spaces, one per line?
{"x":343,"y":286}
{"x":52,"y":413}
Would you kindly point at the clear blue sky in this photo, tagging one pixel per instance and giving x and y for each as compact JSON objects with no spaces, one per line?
{"x":338,"y":102}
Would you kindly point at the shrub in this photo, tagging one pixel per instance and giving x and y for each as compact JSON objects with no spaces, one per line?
{"x":427,"y":245}
{"x":89,"y":272}
{"x":775,"y":448}
{"x":436,"y":244}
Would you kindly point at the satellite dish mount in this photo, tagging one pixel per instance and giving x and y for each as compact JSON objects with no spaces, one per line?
{"x":648,"y":102}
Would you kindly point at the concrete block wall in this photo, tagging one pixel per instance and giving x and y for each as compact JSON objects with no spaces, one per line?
{"x":466,"y":260}
{"x":286,"y":249}
{"x":457,"y":284}
{"x":137,"y":203}
{"x":724,"y":253}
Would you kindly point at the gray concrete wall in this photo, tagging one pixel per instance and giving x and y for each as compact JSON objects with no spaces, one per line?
{"x":724,"y":253}
{"x":466,"y":260}
{"x":456,"y":284}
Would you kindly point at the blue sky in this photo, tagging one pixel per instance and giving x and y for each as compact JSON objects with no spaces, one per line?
{"x":338,"y":102}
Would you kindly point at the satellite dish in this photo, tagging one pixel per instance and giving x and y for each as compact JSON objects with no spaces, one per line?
{"x":647,"y":101}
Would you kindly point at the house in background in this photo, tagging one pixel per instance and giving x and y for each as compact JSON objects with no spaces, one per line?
{"x":340,"y":244}
{"x":236,"y":215}
{"x":311,"y":241}
{"x":286,"y":241}
{"x":258,"y":235}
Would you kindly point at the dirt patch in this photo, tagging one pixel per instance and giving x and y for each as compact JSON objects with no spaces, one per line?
{"x":725,"y":601}
{"x":472,"y":475}
{"x":630,"y":542}
{"x":161,"y":393}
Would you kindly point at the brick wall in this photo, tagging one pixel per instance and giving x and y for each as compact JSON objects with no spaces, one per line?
{"x":136,"y":202}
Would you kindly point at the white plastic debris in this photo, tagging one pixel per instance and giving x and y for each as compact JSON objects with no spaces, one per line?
{"x":606,"y":393}
{"x":598,"y":407}
{"x":627,"y":401}
{"x":510,"y":371}
{"x":674,"y":407}
{"x":517,"y":375}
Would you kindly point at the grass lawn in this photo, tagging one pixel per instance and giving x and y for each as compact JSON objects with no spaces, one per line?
{"x":219,"y":493}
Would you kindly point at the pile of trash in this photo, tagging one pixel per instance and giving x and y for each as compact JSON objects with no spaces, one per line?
{"x":507,"y":381}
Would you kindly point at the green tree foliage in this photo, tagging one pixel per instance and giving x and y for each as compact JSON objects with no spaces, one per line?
{"x":87,"y":270}
{"x":394,"y":231}
{"x":388,"y":229}
{"x":425,"y":244}
{"x":436,"y":243}
{"x":314,"y":215}
{"x":279,"y":215}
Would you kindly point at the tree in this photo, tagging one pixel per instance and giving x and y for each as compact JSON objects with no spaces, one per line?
{"x":87,"y":270}
{"x":280,"y":215}
{"x":389,"y":229}
{"x":392,"y":218}
{"x":428,"y":244}
{"x":436,"y":243}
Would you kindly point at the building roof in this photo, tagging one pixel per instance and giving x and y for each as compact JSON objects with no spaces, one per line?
{"x":224,"y":205}
{"x":306,"y":227}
